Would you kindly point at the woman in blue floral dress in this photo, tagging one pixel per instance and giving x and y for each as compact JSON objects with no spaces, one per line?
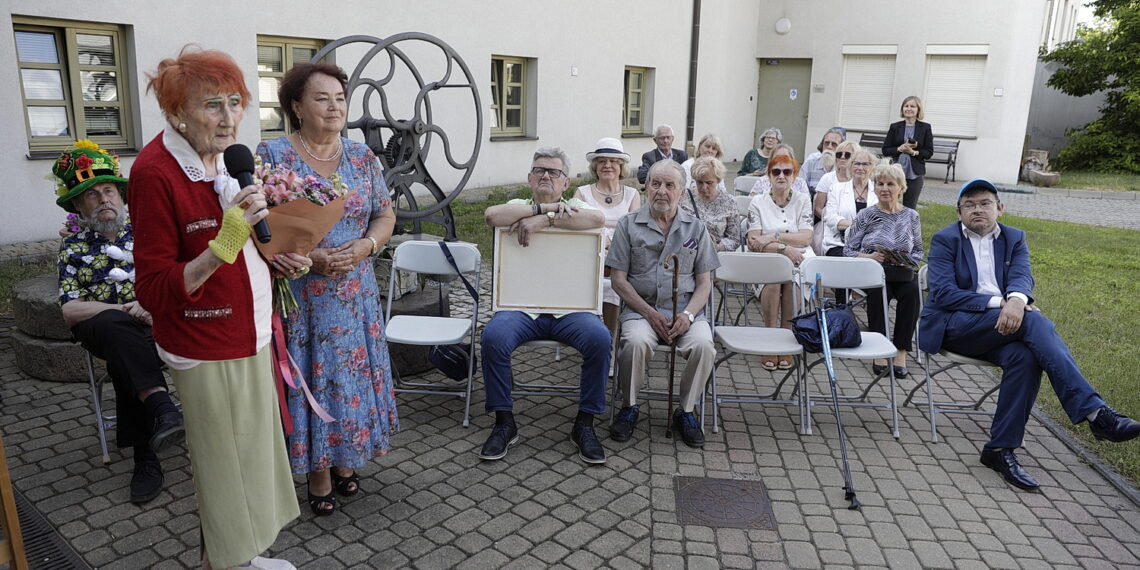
{"x":336,"y":335}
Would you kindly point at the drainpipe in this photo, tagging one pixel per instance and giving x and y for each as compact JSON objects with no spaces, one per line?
{"x":694,"y":49}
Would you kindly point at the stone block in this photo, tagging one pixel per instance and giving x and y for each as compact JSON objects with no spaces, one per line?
{"x":35,"y":306}
{"x":54,"y":360}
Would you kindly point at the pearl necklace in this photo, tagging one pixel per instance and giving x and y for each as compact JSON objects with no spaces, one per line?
{"x":334,"y":156}
{"x":609,"y":196}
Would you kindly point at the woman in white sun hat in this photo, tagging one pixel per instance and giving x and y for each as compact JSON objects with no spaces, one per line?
{"x":609,"y":163}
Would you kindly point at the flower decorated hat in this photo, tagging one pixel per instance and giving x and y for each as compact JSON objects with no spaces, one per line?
{"x":81,"y":167}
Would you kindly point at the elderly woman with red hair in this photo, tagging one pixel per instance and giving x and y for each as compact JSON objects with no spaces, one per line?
{"x":208,"y":291}
{"x":780,"y":221}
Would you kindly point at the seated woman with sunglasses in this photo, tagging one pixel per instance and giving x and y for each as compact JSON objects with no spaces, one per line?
{"x":844,"y":201}
{"x":779,"y":221}
{"x":763,"y":184}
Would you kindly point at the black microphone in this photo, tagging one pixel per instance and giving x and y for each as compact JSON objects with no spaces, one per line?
{"x":239,"y":161}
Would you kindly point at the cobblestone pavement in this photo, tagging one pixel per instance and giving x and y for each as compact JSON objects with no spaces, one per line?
{"x":431,"y":503}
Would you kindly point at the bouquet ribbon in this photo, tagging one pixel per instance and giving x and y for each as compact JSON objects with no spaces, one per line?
{"x":286,"y":371}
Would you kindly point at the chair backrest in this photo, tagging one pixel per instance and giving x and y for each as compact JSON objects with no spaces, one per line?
{"x":742,"y":203}
{"x":843,"y":272}
{"x":758,"y":268}
{"x":427,"y":257}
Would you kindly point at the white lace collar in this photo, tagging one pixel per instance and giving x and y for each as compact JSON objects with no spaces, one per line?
{"x":187,"y":157}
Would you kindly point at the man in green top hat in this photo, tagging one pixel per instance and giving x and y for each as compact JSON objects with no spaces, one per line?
{"x":97,"y":295}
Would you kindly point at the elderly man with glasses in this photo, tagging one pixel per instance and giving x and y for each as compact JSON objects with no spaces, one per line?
{"x":981,"y":305}
{"x":548,"y":179}
{"x":663,"y":138}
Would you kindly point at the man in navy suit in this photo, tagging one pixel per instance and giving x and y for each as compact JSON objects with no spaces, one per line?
{"x":663,"y":136}
{"x":981,"y":305}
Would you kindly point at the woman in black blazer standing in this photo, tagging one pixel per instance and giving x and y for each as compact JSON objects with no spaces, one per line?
{"x":910,"y":142}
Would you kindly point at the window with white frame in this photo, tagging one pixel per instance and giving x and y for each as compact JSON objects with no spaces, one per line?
{"x":509,"y":96}
{"x":275,"y":56}
{"x":953,"y":92}
{"x":634,"y":100}
{"x":73,"y":83}
{"x":868,"y":84}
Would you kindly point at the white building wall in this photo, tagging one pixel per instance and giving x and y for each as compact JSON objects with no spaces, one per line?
{"x":597,"y":38}
{"x":1011,"y":30}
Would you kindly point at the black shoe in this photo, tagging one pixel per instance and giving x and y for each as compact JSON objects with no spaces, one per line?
{"x":589,"y":448}
{"x":1005,"y":462}
{"x":1114,"y":426}
{"x":878,"y":369}
{"x":622,"y":428}
{"x":901,"y":371}
{"x":147,"y":481}
{"x":686,"y":425}
{"x":169,"y":430}
{"x":502,"y":437}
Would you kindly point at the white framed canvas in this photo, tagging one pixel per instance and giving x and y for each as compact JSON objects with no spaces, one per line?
{"x":559,"y":272}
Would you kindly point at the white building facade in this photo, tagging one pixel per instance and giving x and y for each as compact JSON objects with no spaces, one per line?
{"x":549,"y":74}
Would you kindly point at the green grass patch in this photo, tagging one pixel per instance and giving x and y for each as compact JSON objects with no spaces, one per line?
{"x":1086,"y":279}
{"x":1087,"y":179}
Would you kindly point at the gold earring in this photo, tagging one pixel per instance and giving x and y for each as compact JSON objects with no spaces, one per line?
{"x":181,"y":127}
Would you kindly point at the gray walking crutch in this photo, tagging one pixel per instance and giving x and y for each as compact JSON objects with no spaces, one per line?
{"x":825,"y":342}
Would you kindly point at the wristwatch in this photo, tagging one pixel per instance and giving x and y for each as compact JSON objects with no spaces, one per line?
{"x":692,"y":317}
{"x":781,"y":246}
{"x":551,"y":216}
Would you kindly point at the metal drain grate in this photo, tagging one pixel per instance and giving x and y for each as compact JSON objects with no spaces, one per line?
{"x":44,"y":548}
{"x":725,"y":503}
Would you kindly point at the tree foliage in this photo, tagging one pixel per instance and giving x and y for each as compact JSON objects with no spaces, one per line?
{"x":1105,"y":58}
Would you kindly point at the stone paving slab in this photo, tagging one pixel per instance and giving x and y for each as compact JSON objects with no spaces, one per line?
{"x":431,"y":503}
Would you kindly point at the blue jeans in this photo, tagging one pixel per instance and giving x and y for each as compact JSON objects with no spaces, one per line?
{"x":1022,"y":356}
{"x":583,"y":331}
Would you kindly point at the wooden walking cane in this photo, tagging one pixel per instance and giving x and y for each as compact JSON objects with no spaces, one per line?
{"x":676,"y":261}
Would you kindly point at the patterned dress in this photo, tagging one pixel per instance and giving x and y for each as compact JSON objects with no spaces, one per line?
{"x":336,"y":335}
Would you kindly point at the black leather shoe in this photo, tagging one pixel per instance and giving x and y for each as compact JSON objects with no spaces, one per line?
{"x":878,"y":369}
{"x":502,"y":437}
{"x":169,"y":430}
{"x":901,"y":371}
{"x":686,"y":425}
{"x":1005,"y":462}
{"x":147,"y":481}
{"x":1114,"y":426}
{"x":622,"y":428}
{"x":589,"y":448}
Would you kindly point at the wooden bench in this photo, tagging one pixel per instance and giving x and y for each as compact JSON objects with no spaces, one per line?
{"x":945,"y":152}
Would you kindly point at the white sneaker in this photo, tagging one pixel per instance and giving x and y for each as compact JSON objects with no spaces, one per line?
{"x":271,"y":564}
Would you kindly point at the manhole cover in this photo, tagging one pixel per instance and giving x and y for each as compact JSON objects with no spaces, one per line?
{"x":726,"y":503}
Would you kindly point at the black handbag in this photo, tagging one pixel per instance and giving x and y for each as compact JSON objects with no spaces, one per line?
{"x":842,"y":329}
{"x":452,"y":359}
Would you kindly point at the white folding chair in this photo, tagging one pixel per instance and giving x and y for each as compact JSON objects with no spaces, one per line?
{"x":955,"y":360}
{"x":427,"y":257}
{"x":850,"y":273}
{"x":758,"y":269}
{"x":654,"y":395}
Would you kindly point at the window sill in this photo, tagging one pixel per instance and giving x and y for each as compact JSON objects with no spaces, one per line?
{"x":636,"y":135}
{"x":53,"y":154}
{"x":508,"y":138}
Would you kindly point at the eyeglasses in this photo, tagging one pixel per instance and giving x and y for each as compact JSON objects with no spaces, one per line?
{"x":862,"y":164}
{"x":553,"y":173}
{"x":971,"y":206}
{"x":785,"y":171}
{"x":830,"y":143}
{"x":843,"y":155}
{"x":707,"y":182}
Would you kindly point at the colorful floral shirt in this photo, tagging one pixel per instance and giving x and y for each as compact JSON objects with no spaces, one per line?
{"x":93,"y":268}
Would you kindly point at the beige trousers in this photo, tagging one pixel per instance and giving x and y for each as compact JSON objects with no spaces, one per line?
{"x":636,"y":347}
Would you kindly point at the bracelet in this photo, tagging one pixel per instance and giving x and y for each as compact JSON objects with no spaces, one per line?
{"x":537,"y":209}
{"x":375,"y":245}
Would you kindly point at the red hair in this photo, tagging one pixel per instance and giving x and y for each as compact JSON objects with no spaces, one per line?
{"x":784,"y":159}
{"x":195,"y":70}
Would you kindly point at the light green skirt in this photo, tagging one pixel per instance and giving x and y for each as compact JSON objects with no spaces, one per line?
{"x":237,"y":452}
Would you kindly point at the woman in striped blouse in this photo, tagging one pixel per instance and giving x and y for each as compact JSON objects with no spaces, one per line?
{"x":890,"y":233}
